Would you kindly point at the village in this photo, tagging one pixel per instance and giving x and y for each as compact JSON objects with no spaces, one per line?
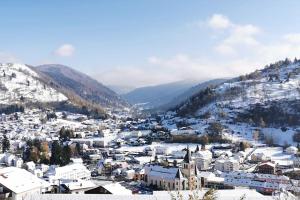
{"x":64,"y":153}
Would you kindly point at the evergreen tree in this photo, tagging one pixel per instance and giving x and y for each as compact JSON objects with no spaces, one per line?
{"x":78,"y":149}
{"x":175,"y":163}
{"x":65,"y":134}
{"x":66,"y":155}
{"x":56,"y":152}
{"x":5,"y":144}
{"x":242,"y":146}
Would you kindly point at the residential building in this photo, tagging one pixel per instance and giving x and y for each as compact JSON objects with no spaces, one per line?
{"x":70,"y":172}
{"x":227,"y":164}
{"x":16,"y":184}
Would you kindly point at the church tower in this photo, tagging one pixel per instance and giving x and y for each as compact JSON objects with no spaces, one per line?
{"x":189,"y":170}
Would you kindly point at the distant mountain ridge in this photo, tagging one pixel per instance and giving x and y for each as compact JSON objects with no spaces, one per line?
{"x":80,"y":84}
{"x":190,"y":92}
{"x":158,"y":95}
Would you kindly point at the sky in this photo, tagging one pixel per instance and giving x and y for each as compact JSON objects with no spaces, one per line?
{"x":134,"y":43}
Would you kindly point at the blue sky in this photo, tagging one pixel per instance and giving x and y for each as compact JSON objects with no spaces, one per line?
{"x":146,"y":42}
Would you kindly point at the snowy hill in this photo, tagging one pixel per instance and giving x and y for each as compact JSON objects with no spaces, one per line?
{"x":276,"y":83}
{"x":266,"y":100}
{"x":19,"y":83}
{"x":74,"y":83}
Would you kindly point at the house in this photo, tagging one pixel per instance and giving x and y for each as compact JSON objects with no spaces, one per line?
{"x":210,"y":180}
{"x":129,"y":174}
{"x":162,"y":150}
{"x":291,"y":150}
{"x":173,"y":178}
{"x":76,"y":186}
{"x":112,"y":188}
{"x":18,"y":162}
{"x":9,"y":159}
{"x":227,"y":164}
{"x":139,"y":175}
{"x":266,"y":168}
{"x":203,"y":159}
{"x":240,"y":156}
{"x":69,"y":172}
{"x":16,"y":184}
{"x":258,"y":157}
{"x":30,"y":166}
{"x":265,"y":183}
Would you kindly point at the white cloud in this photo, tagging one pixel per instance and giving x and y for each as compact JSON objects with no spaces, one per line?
{"x":218,"y":21}
{"x":238,"y":49}
{"x":163,"y":70}
{"x":133,"y":76}
{"x":236,"y":35}
{"x":225,"y":49}
{"x":65,"y":50}
{"x":241,"y":47}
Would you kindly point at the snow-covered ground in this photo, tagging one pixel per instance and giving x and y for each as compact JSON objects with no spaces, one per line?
{"x":276,"y":154}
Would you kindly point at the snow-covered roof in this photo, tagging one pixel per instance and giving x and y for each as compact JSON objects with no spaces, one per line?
{"x":65,"y":169}
{"x":117,"y":189}
{"x":166,"y":173}
{"x":19,"y":180}
{"x":205,"y":154}
{"x":78,"y":184}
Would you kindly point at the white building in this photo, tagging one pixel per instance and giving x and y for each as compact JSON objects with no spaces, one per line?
{"x":227,"y":164}
{"x":203,"y":159}
{"x":77,"y":187}
{"x":18,"y":162}
{"x":17,"y":184}
{"x":8,"y":159}
{"x":70,"y":172}
{"x":291,"y":150}
{"x":258,"y":157}
{"x":30,"y":166}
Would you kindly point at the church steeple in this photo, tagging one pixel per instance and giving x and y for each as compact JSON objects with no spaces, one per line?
{"x":187,"y":157}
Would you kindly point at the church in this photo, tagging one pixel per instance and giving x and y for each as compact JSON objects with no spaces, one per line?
{"x":183,"y":177}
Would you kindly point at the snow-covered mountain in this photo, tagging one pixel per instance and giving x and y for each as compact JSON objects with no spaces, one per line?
{"x":270,"y":96}
{"x":76,"y":84}
{"x":19,"y":83}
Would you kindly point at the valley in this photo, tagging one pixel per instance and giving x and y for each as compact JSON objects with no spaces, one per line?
{"x":238,"y":132}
